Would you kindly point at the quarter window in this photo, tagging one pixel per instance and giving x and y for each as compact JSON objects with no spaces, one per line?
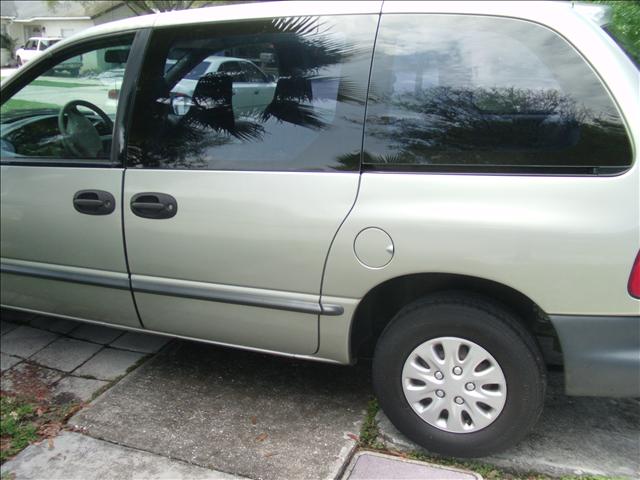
{"x":482,"y":93}
{"x":276,"y":94}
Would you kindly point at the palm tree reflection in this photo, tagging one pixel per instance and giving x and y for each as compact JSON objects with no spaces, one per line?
{"x":501,"y":126}
{"x":304,"y":47}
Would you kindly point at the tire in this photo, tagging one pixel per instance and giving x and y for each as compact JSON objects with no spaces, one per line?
{"x":445,"y":325}
{"x":19,"y":60}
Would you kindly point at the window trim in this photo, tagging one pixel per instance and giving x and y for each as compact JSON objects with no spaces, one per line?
{"x":591,"y":171}
{"x":46,"y":62}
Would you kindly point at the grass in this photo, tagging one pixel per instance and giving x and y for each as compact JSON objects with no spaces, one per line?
{"x":17,"y":104}
{"x":25,"y":420}
{"x":370,"y":440}
{"x":17,"y":429}
{"x":51,"y":83}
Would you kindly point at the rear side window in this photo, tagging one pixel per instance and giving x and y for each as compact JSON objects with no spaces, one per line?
{"x":464,"y":93}
{"x":282,"y":94}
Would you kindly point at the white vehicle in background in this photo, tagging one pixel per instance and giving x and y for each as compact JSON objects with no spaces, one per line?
{"x":252,"y":90}
{"x":34,"y":48}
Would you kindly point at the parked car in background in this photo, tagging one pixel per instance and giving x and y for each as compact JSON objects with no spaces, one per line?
{"x":449,"y":188}
{"x":34,"y":48}
{"x":252,"y":90}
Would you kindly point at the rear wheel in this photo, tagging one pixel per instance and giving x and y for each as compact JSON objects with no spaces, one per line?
{"x":459,"y":375}
{"x":19,"y":60}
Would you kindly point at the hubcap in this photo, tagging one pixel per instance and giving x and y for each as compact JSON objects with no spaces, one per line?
{"x":454,"y":384}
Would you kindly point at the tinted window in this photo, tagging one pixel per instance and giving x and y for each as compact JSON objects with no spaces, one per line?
{"x":233,"y":70}
{"x":252,"y":73}
{"x":66,"y":112}
{"x":485,"y":92}
{"x":228,"y":116}
{"x":44,"y":44}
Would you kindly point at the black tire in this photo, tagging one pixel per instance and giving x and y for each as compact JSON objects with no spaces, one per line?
{"x":19,"y":60}
{"x":485,"y":323}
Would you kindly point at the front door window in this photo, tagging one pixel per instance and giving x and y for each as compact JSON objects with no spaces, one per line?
{"x":69,"y":110}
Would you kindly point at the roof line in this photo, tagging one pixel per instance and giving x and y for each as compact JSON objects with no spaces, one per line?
{"x":32,"y":19}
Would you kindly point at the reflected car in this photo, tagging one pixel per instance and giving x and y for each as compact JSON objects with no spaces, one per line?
{"x":252,"y":89}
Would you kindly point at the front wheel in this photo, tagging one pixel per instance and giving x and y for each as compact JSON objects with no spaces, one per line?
{"x":459,"y":375}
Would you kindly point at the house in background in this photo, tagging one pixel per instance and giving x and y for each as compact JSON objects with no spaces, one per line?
{"x":21,"y":19}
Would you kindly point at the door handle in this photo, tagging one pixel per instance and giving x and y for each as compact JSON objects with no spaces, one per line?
{"x":154,"y":205}
{"x":94,"y":202}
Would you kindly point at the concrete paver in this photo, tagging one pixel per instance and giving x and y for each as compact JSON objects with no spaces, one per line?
{"x":77,"y":457}
{"x":25,"y":341}
{"x":7,"y":361}
{"x":58,"y":325}
{"x":30,"y":380}
{"x":73,"y":389}
{"x":575,"y":435}
{"x":376,"y":466}
{"x":16,"y":316}
{"x":6,"y":327}
{"x":96,"y":333}
{"x":109,"y":364}
{"x":65,"y":354}
{"x":140,"y":342}
{"x":255,"y":415}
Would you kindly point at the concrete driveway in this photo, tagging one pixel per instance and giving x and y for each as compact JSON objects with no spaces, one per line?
{"x":207,"y":412}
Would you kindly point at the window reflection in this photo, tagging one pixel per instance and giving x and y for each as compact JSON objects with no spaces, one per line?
{"x":280,"y":94}
{"x":457,"y":90}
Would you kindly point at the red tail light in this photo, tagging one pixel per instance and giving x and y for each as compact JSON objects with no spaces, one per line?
{"x":113,"y":94}
{"x":634,"y":278}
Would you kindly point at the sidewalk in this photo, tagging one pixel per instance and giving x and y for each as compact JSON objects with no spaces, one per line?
{"x":200,"y":411}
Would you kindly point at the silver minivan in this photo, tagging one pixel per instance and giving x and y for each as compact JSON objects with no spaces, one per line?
{"x":444,"y":187}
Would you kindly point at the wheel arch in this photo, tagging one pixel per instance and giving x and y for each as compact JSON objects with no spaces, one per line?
{"x":382,"y":302}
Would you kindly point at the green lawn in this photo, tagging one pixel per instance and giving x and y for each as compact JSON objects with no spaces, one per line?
{"x":17,"y":104}
{"x":51,"y":83}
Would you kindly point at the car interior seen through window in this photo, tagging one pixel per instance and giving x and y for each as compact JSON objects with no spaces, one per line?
{"x":68,"y":111}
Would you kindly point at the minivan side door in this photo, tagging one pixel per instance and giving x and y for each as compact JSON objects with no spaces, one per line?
{"x":229,"y":216}
{"x":60,"y":218}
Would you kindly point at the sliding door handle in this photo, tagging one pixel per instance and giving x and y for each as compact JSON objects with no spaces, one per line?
{"x":154,"y":205}
{"x":94,"y":202}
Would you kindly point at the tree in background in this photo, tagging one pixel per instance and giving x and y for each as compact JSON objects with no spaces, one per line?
{"x":140,"y":7}
{"x":625,"y":24}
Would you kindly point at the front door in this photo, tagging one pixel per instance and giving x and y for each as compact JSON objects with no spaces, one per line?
{"x":61,"y":213}
{"x":230,"y":213}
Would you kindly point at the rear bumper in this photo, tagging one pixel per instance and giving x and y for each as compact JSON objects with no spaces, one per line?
{"x":601,"y":354}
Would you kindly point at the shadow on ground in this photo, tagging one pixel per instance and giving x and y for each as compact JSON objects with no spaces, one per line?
{"x":575,"y":435}
{"x":250,"y":414}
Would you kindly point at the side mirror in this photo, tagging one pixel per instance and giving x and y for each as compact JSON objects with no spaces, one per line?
{"x":118,"y":55}
{"x":181,"y":104}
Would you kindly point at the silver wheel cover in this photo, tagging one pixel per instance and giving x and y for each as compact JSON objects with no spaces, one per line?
{"x":454,"y":384}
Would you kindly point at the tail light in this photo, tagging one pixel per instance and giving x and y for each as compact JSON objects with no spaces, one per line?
{"x":113,"y":94}
{"x":634,"y":278}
